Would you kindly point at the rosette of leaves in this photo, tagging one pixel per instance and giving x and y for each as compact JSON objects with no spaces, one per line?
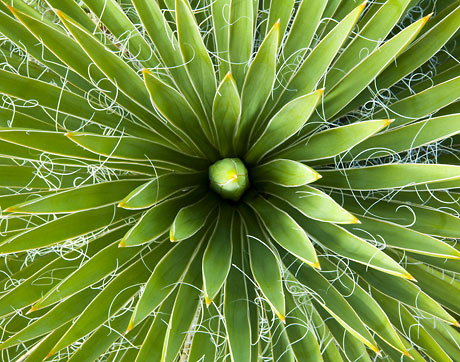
{"x":229,"y":180}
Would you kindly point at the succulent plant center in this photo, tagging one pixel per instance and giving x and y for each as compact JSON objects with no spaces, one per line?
{"x":229,"y":178}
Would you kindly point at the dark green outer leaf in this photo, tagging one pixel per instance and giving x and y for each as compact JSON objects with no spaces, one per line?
{"x":168,"y":271}
{"x":218,"y":254}
{"x":83,"y":198}
{"x":388,"y":176}
{"x":62,"y":229}
{"x":114,"y":296}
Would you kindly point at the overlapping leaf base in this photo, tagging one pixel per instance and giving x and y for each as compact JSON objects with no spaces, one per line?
{"x":115,"y":247}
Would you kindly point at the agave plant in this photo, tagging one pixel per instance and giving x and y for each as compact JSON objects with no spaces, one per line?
{"x":229,"y":180}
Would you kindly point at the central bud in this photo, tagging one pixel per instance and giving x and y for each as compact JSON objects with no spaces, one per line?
{"x":229,"y":178}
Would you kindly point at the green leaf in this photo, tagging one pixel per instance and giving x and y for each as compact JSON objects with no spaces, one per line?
{"x":370,"y":311}
{"x":374,"y":31}
{"x":45,"y":141}
{"x":190,"y":219}
{"x":166,"y":43}
{"x":52,"y":97}
{"x":435,"y":283}
{"x":29,"y":152}
{"x":421,"y":50}
{"x":312,"y":203}
{"x":332,"y":301}
{"x":265,"y":265}
{"x":62,"y":229}
{"x":71,"y":53}
{"x":112,"y":298}
{"x":101,"y":339}
{"x":178,"y":112}
{"x":50,"y":269}
{"x":204,"y":344}
{"x":152,"y":346}
{"x":422,"y":104}
{"x":20,"y":36}
{"x":332,"y":142}
{"x":407,"y":137}
{"x":280,"y":11}
{"x":241,"y":34}
{"x":106,"y":261}
{"x":225,"y":113}
{"x":306,"y":78}
{"x":20,"y":176}
{"x":257,"y":87}
{"x":218,"y":254}
{"x":157,"y":220}
{"x":112,"y":16}
{"x":160,"y":188}
{"x":183,"y":312}
{"x":78,"y":199}
{"x":360,"y":76}
{"x":303,"y":28}
{"x":279,"y":342}
{"x":286,"y":173}
{"x":405,"y":322}
{"x":195,"y":54}
{"x":14,"y":118}
{"x":41,"y":349}
{"x":284,"y":230}
{"x":117,"y":70}
{"x":403,"y":291}
{"x":78,"y":13}
{"x":164,"y":278}
{"x":301,"y":337}
{"x":136,"y":149}
{"x":388,"y":176}
{"x":424,"y":217}
{"x":344,"y":243}
{"x":401,"y":237}
{"x":220,"y":10}
{"x":287,"y":122}
{"x":351,"y":347}
{"x":445,"y":335}
{"x":236,"y":310}
{"x":59,"y":315}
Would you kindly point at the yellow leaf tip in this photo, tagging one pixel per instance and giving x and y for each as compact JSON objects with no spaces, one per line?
{"x":409,"y":277}
{"x":317,"y":266}
{"x":407,"y":354}
{"x":426,"y":18}
{"x":146,"y":71}
{"x":207,"y":301}
{"x":8,"y":209}
{"x":122,"y":244}
{"x":355,"y":220}
{"x":171,"y":234}
{"x":281,"y":317}
{"x":388,"y":121}
{"x":228,"y":76}
{"x":321,"y":91}
{"x":50,"y":354}
{"x":31,"y":310}
{"x":362,"y":5}
{"x":130,"y":327}
{"x":457,"y":324}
